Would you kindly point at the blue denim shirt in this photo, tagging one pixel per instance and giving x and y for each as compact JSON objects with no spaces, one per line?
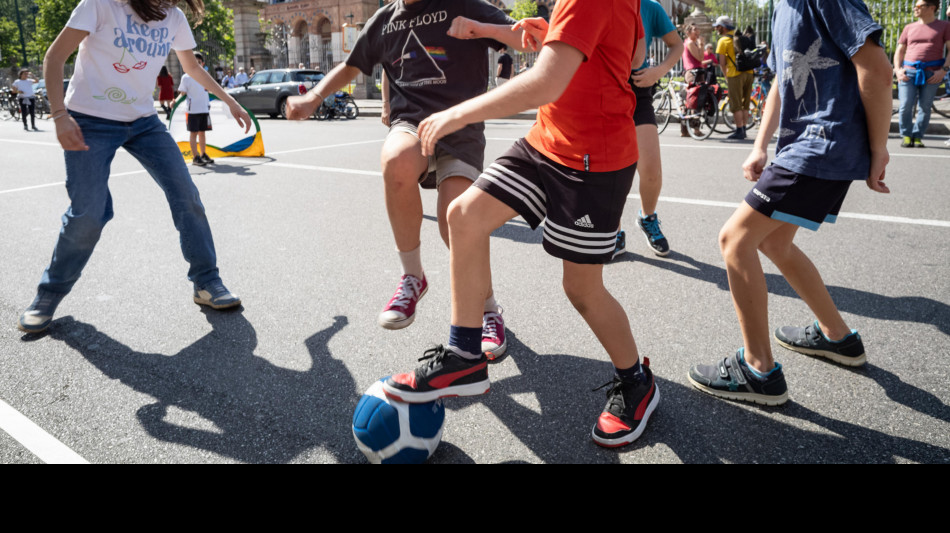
{"x":823,"y":126}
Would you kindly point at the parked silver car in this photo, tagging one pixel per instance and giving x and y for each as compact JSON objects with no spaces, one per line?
{"x":268,"y":90}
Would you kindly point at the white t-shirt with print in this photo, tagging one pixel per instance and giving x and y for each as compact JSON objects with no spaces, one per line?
{"x":198,"y":101}
{"x":25,"y":87}
{"x":121,"y":58}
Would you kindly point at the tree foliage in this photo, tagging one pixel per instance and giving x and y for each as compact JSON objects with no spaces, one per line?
{"x":523,"y":9}
{"x":9,"y":43}
{"x":51,"y":18}
{"x":215,"y":33}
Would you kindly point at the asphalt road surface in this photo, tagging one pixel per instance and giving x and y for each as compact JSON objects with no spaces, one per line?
{"x":132,"y":371}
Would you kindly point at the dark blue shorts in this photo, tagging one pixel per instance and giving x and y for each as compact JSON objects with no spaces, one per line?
{"x":784,"y":195}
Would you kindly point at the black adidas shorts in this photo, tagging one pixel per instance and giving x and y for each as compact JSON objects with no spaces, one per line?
{"x":581,"y":210}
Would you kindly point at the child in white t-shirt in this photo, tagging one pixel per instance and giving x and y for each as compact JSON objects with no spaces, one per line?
{"x":122,"y":46}
{"x":26,"y":97}
{"x":199,"y":117}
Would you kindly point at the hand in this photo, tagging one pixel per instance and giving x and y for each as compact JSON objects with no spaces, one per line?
{"x":535,"y":30}
{"x":875,"y":179}
{"x":241,"y":116}
{"x":937,"y":78}
{"x":69,"y":135}
{"x":755,"y":164}
{"x":384,"y":115}
{"x":463,"y":28}
{"x":902,"y":75}
{"x":302,"y":107}
{"x":648,"y":76}
{"x":436,"y":127}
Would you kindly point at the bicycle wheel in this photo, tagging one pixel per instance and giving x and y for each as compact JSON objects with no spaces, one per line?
{"x":351,"y":110}
{"x":42,"y":108}
{"x":941,"y":105}
{"x":755,"y":114}
{"x":726,"y":124}
{"x":663,"y":109}
{"x":703,"y":123}
{"x":5,"y":112}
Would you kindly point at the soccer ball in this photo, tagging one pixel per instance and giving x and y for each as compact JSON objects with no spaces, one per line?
{"x":391,"y":432}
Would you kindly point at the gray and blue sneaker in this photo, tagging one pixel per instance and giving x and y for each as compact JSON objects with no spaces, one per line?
{"x":732,"y":379}
{"x":216,"y":296}
{"x":651,"y":229}
{"x":810,"y":340}
{"x":37,"y":317}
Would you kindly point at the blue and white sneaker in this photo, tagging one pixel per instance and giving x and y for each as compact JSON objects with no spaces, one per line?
{"x":37,"y":317}
{"x":810,"y":340}
{"x":216,"y":296}
{"x":651,"y":229}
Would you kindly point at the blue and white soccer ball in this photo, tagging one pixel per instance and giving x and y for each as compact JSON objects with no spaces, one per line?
{"x":391,"y":432}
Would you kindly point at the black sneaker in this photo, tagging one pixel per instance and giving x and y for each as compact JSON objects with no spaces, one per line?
{"x":809,"y":340}
{"x":732,"y":379}
{"x":651,"y":228}
{"x":198,"y":161}
{"x":621,"y":247}
{"x":629,"y":406}
{"x":445,"y":374}
{"x":37,"y":317}
{"x":207,"y":160}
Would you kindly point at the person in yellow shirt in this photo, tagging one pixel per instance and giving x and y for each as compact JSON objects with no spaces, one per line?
{"x":738,"y":81}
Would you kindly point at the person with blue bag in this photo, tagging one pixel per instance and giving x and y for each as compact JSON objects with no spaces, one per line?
{"x":920,"y":64}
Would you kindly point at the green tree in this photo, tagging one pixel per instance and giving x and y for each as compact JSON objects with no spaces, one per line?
{"x":523,"y":9}
{"x":215,"y":33}
{"x":51,"y":18}
{"x":9,"y":43}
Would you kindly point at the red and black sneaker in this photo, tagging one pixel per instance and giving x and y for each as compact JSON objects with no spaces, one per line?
{"x":445,"y":374}
{"x":629,"y":406}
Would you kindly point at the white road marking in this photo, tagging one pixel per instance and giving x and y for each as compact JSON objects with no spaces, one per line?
{"x":61,"y":183}
{"x":878,"y":218}
{"x":34,"y":438}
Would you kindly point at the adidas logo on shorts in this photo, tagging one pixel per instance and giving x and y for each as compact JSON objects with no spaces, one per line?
{"x":584,"y":222}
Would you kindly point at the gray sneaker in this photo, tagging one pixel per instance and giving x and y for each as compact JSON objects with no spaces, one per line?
{"x":809,"y":340}
{"x":216,"y":296}
{"x":37,"y":317}
{"x":733,"y":380}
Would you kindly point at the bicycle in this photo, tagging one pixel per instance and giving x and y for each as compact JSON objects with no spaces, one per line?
{"x":701,"y":122}
{"x":9,"y":107}
{"x":757,"y":103}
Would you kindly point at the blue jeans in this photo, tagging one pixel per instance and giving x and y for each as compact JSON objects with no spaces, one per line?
{"x":911,"y":95}
{"x":87,"y":183}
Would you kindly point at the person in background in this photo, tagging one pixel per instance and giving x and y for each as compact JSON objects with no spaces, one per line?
{"x":166,"y":90}
{"x":505,"y":67}
{"x":920,"y":67}
{"x":739,"y":81}
{"x":199,"y":116}
{"x":26,"y":97}
{"x":241,"y":77}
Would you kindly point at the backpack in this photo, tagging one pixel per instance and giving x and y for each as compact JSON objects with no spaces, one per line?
{"x":747,"y":56}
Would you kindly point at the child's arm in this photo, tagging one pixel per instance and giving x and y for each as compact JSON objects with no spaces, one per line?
{"x":541,"y":85}
{"x":191,"y":67}
{"x":755,"y":163}
{"x":302,"y":107}
{"x":874,"y":83}
{"x":465,"y":28}
{"x":67,"y":131}
{"x":649,"y":76}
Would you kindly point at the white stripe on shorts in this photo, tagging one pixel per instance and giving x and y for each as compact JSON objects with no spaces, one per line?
{"x":509,"y":186}
{"x":593,"y":243}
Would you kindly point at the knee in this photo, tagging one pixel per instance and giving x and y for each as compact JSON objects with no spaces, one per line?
{"x":402,"y":167}
{"x":581,"y":295}
{"x":730,"y":243}
{"x":458,"y":217}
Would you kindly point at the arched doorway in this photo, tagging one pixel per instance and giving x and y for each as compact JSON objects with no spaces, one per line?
{"x":325,"y":36}
{"x":300,"y":45}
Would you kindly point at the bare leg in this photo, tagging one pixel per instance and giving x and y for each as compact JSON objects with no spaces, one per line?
{"x":584,"y":286}
{"x":649,"y":168}
{"x":403,"y":163}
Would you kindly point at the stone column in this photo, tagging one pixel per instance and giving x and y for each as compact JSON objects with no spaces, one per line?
{"x":246,"y":27}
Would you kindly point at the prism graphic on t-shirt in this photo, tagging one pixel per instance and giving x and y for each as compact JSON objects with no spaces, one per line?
{"x":418,"y":63}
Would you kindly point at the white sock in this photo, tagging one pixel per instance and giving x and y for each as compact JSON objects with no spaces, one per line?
{"x":491,"y":306}
{"x":412,"y":262}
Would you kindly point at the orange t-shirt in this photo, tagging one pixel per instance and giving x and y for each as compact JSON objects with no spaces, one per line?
{"x":590,"y":127}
